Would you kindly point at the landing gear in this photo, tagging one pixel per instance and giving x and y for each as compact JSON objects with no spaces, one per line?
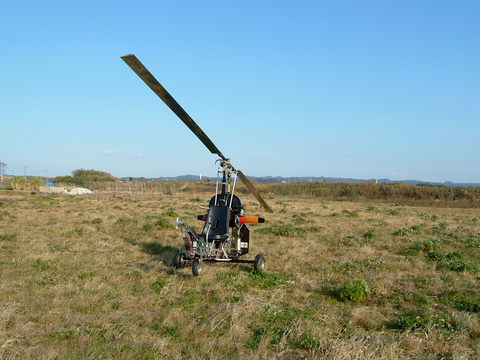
{"x":178,"y":260}
{"x":196,"y":267}
{"x":259,"y":262}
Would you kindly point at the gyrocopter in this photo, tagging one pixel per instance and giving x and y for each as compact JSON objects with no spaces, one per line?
{"x":225,"y":236}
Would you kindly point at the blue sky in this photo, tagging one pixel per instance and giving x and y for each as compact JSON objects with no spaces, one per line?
{"x":363,"y":89}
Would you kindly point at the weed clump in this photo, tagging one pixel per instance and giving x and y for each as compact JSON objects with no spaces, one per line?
{"x":97,"y":221}
{"x":427,"y":246}
{"x":348,"y":240}
{"x":425,"y":318}
{"x":172,"y":331}
{"x":163,"y":223}
{"x":355,"y":291}
{"x":455,"y":262}
{"x":473,"y":241}
{"x":414,"y":229}
{"x":299,"y":219}
{"x":369,"y":234}
{"x":443,"y":226}
{"x":158,"y":285}
{"x":171,"y":213}
{"x":147,"y":227}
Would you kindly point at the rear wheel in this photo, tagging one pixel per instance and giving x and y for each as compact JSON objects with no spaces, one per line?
{"x":259,"y":262}
{"x":196,"y":267}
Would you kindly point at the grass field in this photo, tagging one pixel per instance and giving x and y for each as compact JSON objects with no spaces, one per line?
{"x":90,"y":278}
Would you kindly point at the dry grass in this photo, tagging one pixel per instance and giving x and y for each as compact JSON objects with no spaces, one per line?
{"x":89,"y":278}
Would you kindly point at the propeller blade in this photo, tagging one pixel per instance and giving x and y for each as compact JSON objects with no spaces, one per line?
{"x":135,"y":64}
{"x":254,"y":191}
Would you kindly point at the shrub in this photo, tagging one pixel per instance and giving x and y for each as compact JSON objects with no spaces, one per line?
{"x":355,"y":290}
{"x":97,"y":221}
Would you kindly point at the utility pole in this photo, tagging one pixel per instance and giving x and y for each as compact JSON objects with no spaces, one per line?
{"x":46,"y":173}
{"x":2,"y":165}
{"x":25,"y":171}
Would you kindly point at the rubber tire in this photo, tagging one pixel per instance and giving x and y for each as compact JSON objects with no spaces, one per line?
{"x":259,"y":262}
{"x":178,"y":261}
{"x":196,"y":267}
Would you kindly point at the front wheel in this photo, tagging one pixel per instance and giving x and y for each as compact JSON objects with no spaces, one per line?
{"x":196,"y":267}
{"x":178,"y":260}
{"x":259,"y":262}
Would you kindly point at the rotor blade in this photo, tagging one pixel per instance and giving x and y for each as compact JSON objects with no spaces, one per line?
{"x":135,"y":64}
{"x":254,"y":191}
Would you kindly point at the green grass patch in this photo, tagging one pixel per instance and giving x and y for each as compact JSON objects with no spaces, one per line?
{"x":158,"y":285}
{"x":468,"y":301}
{"x":275,"y":324}
{"x":267,"y":280}
{"x":8,"y":237}
{"x":353,"y":213}
{"x":147,"y":227}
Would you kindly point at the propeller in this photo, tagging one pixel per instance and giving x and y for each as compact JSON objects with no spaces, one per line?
{"x":135,"y":64}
